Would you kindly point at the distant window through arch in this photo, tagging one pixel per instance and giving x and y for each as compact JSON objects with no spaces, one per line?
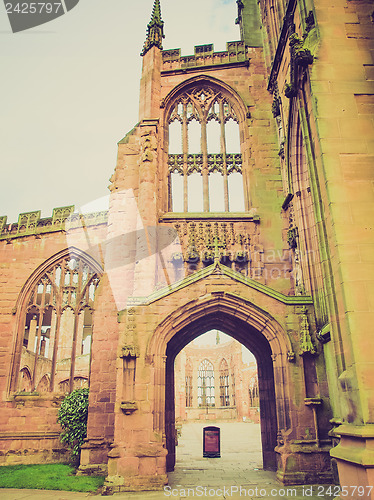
{"x":189,"y":371}
{"x":204,"y":154}
{"x":205,"y":384}
{"x":224,"y":387}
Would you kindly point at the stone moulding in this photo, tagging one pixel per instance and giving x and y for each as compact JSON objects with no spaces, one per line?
{"x":357,"y":431}
{"x":182,"y":216}
{"x":313,"y":401}
{"x":324,"y":335}
{"x":29,"y":435}
{"x":26,"y":395}
{"x":23,"y":397}
{"x":190,"y":68}
{"x":281,"y":44}
{"x":224,"y":271}
{"x":355,"y":452}
{"x":129,"y":351}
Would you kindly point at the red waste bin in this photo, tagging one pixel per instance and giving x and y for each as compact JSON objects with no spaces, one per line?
{"x":211,"y":442}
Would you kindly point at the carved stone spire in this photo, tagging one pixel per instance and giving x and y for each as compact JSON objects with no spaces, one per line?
{"x":155,"y":29}
{"x":306,"y":343}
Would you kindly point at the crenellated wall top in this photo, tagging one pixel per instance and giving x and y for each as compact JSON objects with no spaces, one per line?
{"x":30,"y":223}
{"x":204,"y":55}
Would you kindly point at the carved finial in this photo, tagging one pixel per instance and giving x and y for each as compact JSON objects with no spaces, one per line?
{"x":155,"y":29}
{"x":216,"y":249}
{"x":306,"y":343}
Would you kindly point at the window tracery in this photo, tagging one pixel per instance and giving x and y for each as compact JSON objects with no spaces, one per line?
{"x":233,"y":390}
{"x":188,"y":385}
{"x":57,"y":324}
{"x":204,"y":152}
{"x":205,"y":384}
{"x":253,"y":392}
{"x":224,"y":383}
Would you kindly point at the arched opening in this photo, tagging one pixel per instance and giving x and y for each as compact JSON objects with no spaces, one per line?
{"x":254,"y":341}
{"x":55,"y":318}
{"x":215,"y":385}
{"x":204,"y":121}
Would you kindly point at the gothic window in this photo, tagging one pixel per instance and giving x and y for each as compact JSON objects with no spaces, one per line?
{"x":253,"y":393}
{"x":79,"y":383}
{"x":205,"y":161}
{"x":224,"y":383}
{"x":57,"y":327}
{"x":205,"y":384}
{"x":25,"y":380}
{"x":188,"y":391}
{"x":188,"y":385}
{"x":233,"y":399}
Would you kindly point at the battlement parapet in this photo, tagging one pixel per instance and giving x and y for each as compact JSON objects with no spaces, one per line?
{"x":204,"y":55}
{"x":63,"y":218}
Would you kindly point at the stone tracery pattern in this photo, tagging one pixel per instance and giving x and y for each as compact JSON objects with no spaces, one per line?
{"x":205,"y":384}
{"x":58,"y":327}
{"x":235,"y":244}
{"x":203,"y":105}
{"x":224,"y":383}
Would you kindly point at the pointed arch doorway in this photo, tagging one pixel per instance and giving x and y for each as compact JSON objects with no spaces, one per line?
{"x":254,"y":341}
{"x":216,"y":384}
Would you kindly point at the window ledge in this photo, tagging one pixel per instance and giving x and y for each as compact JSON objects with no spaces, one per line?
{"x":36,"y":396}
{"x":170,"y":216}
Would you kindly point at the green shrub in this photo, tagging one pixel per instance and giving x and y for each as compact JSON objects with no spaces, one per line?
{"x":72,"y":417}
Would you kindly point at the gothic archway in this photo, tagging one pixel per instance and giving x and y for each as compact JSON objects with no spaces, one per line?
{"x":253,"y":328}
{"x":259,"y":346}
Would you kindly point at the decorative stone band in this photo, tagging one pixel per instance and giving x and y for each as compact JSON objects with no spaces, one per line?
{"x":29,"y":435}
{"x":292,"y":300}
{"x":216,"y":163}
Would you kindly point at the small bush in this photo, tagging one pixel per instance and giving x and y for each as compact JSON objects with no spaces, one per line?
{"x":72,"y":416}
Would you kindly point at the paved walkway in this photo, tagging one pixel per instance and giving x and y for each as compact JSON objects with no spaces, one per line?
{"x":236,"y":475}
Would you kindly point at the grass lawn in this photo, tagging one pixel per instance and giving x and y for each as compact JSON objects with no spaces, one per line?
{"x":47,"y":477}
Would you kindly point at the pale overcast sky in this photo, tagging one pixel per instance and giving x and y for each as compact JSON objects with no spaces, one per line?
{"x":69,"y":93}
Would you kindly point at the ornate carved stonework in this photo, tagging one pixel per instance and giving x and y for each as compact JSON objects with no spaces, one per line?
{"x":232,"y":243}
{"x":301,"y":57}
{"x":128,"y":407}
{"x":155,"y":30}
{"x":306,"y":343}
